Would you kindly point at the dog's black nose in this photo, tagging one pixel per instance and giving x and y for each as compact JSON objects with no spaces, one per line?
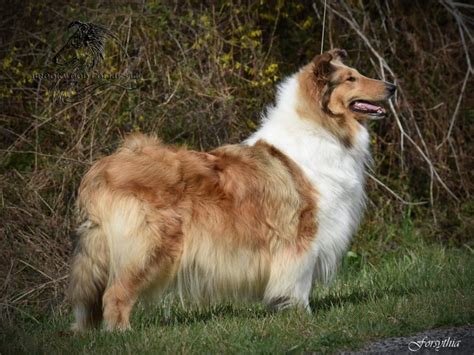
{"x":391,"y":88}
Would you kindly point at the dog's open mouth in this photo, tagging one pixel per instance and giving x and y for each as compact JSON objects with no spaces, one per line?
{"x":367,"y":108}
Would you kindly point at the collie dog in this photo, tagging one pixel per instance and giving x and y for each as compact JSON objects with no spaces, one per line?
{"x":261,"y":220}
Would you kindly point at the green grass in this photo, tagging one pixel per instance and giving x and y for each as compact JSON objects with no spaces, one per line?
{"x":412,"y":287}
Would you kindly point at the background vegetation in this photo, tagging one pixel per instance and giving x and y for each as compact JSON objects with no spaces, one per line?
{"x":203,"y":73}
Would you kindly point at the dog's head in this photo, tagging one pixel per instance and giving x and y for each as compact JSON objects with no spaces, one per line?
{"x":338,"y":96}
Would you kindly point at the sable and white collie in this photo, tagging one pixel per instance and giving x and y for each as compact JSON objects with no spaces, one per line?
{"x":260,"y":220}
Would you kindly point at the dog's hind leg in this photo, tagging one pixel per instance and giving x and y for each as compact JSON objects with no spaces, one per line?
{"x":119,"y":299}
{"x":145,"y":248}
{"x":131,"y":282}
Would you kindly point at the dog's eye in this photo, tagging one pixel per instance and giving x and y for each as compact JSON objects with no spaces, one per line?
{"x":351,"y":78}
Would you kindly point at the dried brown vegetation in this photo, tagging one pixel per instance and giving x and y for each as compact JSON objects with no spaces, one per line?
{"x":204,"y":74}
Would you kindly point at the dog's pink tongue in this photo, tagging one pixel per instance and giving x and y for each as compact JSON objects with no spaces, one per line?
{"x":365,"y":106}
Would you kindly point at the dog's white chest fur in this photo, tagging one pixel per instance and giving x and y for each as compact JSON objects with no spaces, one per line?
{"x":337,"y":173}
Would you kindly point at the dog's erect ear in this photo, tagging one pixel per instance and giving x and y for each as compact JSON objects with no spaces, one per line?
{"x":338,"y":54}
{"x":322,"y":67}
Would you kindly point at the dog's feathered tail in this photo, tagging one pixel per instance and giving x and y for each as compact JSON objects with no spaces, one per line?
{"x":89,"y":277}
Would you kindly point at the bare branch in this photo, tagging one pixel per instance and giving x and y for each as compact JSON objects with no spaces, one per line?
{"x":397,"y":196}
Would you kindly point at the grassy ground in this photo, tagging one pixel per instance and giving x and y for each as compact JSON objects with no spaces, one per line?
{"x":379,"y":292}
